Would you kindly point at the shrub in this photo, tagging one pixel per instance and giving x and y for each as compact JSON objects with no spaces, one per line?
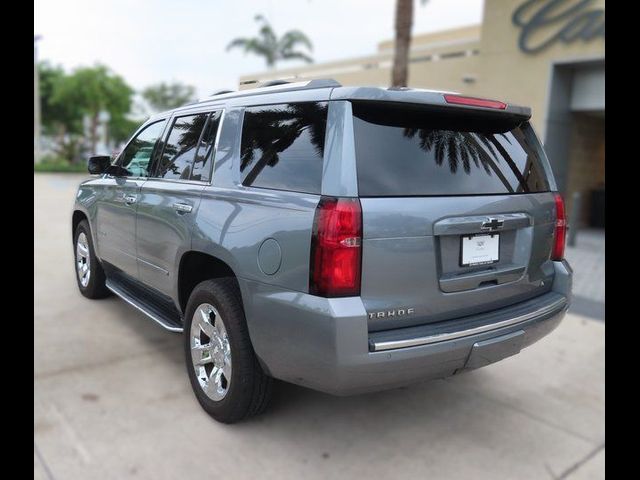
{"x":51,"y":163}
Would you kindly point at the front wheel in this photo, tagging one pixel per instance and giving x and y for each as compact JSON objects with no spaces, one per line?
{"x":223,"y":369}
{"x":89,"y":273}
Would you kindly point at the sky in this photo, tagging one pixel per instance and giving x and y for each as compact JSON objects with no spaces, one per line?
{"x":149,"y":41}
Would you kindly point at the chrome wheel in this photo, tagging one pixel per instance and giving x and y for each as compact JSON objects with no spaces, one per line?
{"x":210,"y":352}
{"x":83,"y":260}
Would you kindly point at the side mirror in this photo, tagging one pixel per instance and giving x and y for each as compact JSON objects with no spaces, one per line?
{"x":98,"y":164}
{"x":117,"y":171}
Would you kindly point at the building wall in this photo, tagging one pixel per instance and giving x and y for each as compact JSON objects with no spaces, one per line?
{"x":469,"y":33}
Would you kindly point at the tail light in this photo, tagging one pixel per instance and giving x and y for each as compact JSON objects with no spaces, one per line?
{"x":560,"y":230}
{"x":474,"y":102}
{"x":336,"y":248}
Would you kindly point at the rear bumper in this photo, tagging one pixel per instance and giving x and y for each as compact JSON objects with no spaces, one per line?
{"x":324,"y":343}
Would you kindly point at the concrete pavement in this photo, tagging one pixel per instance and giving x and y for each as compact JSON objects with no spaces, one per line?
{"x":112,"y":400}
{"x":589,"y":280}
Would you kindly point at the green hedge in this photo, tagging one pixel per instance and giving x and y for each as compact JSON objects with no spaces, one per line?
{"x":49,"y":164}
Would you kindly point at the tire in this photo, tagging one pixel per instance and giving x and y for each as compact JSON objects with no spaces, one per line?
{"x":248,"y":390}
{"x":91,"y":286}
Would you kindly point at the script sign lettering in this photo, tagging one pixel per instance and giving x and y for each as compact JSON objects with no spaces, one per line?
{"x":571,"y":21}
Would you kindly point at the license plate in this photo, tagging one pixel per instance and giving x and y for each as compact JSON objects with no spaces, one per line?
{"x":480,"y":249}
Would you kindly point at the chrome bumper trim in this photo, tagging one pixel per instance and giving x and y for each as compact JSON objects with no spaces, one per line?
{"x":558,"y":305}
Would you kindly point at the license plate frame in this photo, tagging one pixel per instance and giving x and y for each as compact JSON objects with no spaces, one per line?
{"x":475,"y":253}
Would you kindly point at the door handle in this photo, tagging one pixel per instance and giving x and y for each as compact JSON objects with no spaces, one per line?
{"x":182,"y":207}
{"x":130,"y":199}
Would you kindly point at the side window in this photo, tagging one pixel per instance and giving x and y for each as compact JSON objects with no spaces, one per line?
{"x":137,"y":155}
{"x":283,"y":146}
{"x":180,"y":148}
{"x":204,"y":156}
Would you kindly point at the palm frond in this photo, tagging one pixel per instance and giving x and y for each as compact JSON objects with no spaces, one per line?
{"x":268,"y":37}
{"x":465,"y":155}
{"x":238,"y":42}
{"x":292,"y":38}
{"x":270,"y":47}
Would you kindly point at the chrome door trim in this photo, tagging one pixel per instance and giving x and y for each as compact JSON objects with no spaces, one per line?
{"x":182,"y":207}
{"x":146,"y":262}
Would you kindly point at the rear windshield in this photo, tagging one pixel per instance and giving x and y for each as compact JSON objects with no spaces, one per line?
{"x":407,"y":151}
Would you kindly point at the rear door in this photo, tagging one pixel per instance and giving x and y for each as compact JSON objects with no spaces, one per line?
{"x":457,"y":212}
{"x":170,"y":198}
{"x":116,"y":210}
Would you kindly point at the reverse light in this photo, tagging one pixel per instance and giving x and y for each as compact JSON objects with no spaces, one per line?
{"x":336,"y":248}
{"x":474,"y":102}
{"x":560,"y":232}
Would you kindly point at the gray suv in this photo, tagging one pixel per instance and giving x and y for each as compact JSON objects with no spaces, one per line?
{"x":347,"y":239}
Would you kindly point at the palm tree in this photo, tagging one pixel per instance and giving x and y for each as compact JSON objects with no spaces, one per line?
{"x":404,"y":22}
{"x":274,"y":49}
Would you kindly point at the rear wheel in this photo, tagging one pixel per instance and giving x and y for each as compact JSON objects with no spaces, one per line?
{"x":89,"y":273}
{"x":224,"y":372}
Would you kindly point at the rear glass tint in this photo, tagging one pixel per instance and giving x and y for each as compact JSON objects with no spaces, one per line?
{"x":204,"y":157}
{"x":403,"y":151}
{"x":283,"y":146}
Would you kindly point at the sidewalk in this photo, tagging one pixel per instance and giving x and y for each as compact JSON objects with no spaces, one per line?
{"x":587,"y":258}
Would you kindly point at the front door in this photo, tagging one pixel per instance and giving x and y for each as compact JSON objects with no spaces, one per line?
{"x":116,"y":210}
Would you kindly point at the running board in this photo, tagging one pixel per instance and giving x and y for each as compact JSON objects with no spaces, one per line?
{"x":155,"y":310}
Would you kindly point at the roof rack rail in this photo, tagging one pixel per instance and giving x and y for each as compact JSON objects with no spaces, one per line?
{"x":220,"y":92}
{"x":281,"y":86}
{"x":272,"y":83}
{"x":300,"y":84}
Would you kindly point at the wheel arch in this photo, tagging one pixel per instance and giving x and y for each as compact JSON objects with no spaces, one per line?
{"x":76,"y":218}
{"x":195,"y":267}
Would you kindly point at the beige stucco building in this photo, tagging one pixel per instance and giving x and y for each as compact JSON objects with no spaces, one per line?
{"x":547,"y":54}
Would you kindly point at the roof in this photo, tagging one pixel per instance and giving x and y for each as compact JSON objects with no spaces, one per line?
{"x":326,"y":89}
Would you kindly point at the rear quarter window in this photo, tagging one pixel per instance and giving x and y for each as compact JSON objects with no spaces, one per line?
{"x":282,"y":146}
{"x":404,"y":151}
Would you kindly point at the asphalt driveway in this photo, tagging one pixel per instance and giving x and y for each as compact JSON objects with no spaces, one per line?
{"x":112,"y":400}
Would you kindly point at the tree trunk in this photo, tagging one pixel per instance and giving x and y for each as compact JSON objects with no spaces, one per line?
{"x":94,"y":132}
{"x":404,"y":22}
{"x":61,"y":132}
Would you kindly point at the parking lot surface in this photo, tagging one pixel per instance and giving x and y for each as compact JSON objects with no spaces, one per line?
{"x":112,"y":400}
